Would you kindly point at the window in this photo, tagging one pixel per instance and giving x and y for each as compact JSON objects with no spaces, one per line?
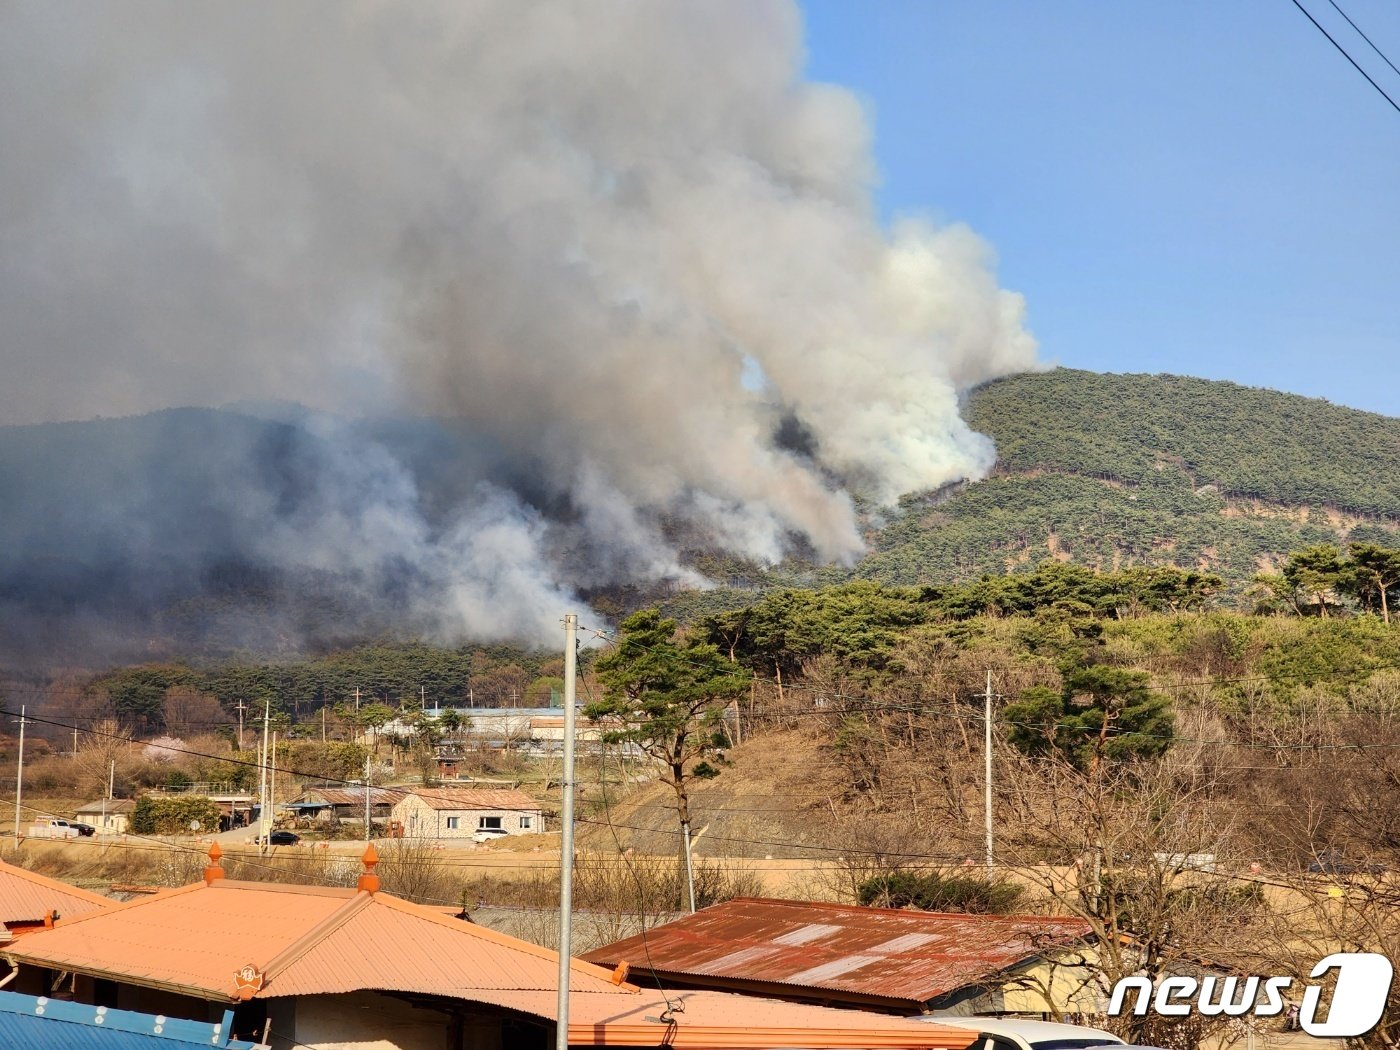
{"x":524,"y":823}
{"x":453,"y":823}
{"x":492,"y":823}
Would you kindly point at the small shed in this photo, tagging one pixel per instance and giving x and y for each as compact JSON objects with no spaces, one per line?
{"x":880,"y":959}
{"x":456,"y":812}
{"x":109,"y":816}
{"x":348,"y":803}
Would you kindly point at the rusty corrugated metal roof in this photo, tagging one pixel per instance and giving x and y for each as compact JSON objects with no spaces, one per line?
{"x":351,"y":796}
{"x":303,"y":940}
{"x":876,"y":953}
{"x":27,"y":897}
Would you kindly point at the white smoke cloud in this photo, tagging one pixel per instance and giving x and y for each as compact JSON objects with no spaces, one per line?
{"x":570,"y":225}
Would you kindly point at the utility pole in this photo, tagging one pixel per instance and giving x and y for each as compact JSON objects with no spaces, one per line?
{"x":323,"y":723}
{"x":19,"y":773}
{"x":357,"y":699}
{"x":566,"y":827}
{"x":111,"y":784}
{"x":987,"y":757}
{"x":272,"y":785}
{"x":75,"y":741}
{"x":262,"y":780}
{"x":422,"y":699}
{"x":241,"y":708}
{"x":366,"y":793}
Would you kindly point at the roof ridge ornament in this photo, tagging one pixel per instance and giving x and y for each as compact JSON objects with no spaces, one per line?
{"x":369,"y":881}
{"x":214,"y":871}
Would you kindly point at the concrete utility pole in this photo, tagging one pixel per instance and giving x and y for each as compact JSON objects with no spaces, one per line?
{"x":111,"y":785}
{"x":367,"y":835}
{"x":241,"y":708}
{"x":19,"y":773}
{"x":987,"y":756}
{"x":262,"y":780}
{"x":566,"y":827}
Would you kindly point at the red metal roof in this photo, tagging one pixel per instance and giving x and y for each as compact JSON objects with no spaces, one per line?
{"x":26,"y":897}
{"x":877,"y":954}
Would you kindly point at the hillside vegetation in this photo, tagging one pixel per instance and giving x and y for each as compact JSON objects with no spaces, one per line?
{"x":1119,"y":470}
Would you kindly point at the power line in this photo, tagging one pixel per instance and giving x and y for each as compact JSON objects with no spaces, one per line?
{"x":1363,"y":36}
{"x":1393,"y":104}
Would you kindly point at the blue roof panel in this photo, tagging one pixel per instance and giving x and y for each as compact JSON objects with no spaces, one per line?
{"x":28,"y":1020}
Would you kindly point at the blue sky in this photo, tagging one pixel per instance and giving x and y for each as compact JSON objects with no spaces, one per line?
{"x":1196,"y":187}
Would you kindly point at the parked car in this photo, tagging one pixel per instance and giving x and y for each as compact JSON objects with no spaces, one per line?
{"x":1013,"y":1033}
{"x":83,"y":829}
{"x":280,"y":838}
{"x":488,"y":834}
{"x":1332,"y":862}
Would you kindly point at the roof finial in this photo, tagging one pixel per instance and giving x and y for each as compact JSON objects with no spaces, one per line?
{"x":369,"y":881}
{"x":213,"y":871}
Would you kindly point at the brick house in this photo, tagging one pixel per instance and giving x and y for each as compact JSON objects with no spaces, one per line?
{"x":458,"y":812}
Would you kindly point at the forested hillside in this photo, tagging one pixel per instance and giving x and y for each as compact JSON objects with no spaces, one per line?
{"x":1120,"y":470}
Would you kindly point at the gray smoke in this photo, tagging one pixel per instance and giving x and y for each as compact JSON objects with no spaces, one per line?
{"x":625,"y":244}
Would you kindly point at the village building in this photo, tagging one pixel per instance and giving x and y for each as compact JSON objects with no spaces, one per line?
{"x":330,"y":804}
{"x":30,"y":902}
{"x":109,"y":816}
{"x":881,"y":959}
{"x":461,"y":812}
{"x":320,"y":968}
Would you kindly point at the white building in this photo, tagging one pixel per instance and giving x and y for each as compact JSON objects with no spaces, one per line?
{"x":457,"y":812}
{"x":109,"y":818}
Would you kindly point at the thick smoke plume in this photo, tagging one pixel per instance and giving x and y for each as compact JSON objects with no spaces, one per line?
{"x":625,"y":246}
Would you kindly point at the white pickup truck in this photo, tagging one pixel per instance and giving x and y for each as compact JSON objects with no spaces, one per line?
{"x":53,"y":828}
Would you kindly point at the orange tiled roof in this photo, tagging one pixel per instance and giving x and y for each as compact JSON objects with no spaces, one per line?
{"x":304,"y":940}
{"x":724,"y":1021}
{"x":26,"y":897}
{"x":455,"y":798}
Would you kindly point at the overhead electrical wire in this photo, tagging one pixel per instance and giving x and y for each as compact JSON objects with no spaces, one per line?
{"x":1393,"y":104}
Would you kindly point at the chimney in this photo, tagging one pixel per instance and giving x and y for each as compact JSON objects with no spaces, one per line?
{"x":369,"y":881}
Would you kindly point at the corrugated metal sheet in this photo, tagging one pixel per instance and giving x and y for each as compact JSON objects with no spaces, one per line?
{"x":27,"y":1020}
{"x":717,"y":1020}
{"x":195,"y":937}
{"x":396,"y":946}
{"x":875,"y":952}
{"x":454,"y":798}
{"x":349,"y":796}
{"x":305,"y":940}
{"x":27,"y":897}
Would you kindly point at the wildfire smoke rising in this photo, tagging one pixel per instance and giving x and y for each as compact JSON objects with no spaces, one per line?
{"x":627,"y":246}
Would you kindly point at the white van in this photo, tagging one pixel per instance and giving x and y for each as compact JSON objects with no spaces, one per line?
{"x":1013,"y":1033}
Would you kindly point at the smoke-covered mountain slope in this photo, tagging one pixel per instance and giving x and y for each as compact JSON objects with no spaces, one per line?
{"x":199,"y":531}
{"x":1113,"y":470}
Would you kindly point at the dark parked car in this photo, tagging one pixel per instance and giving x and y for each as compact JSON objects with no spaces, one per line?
{"x":1332,"y":862}
{"x":84,"y":830}
{"x":282,"y":838}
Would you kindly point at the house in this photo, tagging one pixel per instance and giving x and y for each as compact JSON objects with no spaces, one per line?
{"x":30,"y":1020}
{"x":109,"y":816}
{"x":325,"y":968}
{"x":31,"y":902}
{"x":347,"y":803}
{"x":872,"y":958}
{"x":460,"y":812}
